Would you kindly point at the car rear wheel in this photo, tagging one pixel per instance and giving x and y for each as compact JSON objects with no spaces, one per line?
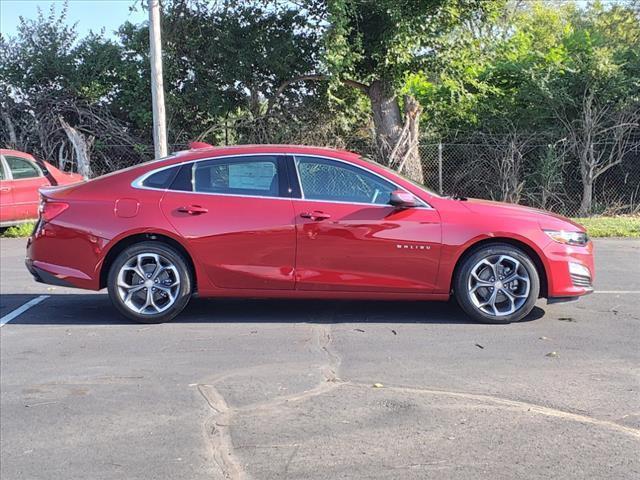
{"x":150,"y":282}
{"x":497,"y":283}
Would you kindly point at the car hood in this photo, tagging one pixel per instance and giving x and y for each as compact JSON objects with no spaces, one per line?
{"x":512,"y":210}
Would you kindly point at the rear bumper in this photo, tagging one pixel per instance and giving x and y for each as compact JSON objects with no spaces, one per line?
{"x":43,"y":276}
{"x":63,"y":257}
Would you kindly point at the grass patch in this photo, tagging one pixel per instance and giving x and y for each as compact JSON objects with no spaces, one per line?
{"x":622,"y":226}
{"x":18,"y":231}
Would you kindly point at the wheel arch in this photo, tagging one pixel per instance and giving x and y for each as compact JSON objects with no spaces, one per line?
{"x":528,"y":249}
{"x":120,"y":245}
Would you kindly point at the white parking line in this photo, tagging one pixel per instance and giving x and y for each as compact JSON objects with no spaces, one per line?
{"x":20,"y":310}
{"x":617,"y":291}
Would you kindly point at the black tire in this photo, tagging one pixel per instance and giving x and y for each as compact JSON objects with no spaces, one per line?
{"x":182,"y":291}
{"x":492,"y":251}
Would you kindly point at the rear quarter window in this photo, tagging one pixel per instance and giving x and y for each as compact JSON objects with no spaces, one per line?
{"x":161,"y":179}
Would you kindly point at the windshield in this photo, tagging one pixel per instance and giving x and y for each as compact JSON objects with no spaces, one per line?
{"x":404,"y":177}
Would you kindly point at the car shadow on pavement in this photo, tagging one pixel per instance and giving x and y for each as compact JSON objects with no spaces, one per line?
{"x":96,"y":309}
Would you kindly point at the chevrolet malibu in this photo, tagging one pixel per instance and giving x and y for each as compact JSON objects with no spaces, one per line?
{"x":298,"y":222}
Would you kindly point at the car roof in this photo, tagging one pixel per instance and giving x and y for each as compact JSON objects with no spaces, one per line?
{"x":18,"y":153}
{"x":266,"y":148}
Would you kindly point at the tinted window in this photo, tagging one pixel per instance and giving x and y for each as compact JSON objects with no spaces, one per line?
{"x":183,"y":180}
{"x":2,"y":177}
{"x":239,"y":176}
{"x":161,"y":179}
{"x":22,"y":168}
{"x":330,"y":180}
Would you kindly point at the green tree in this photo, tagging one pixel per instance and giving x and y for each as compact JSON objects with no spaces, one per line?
{"x":55,"y":89}
{"x":567,"y":73}
{"x":595,"y":94}
{"x":373,"y":45}
{"x":223,"y":61}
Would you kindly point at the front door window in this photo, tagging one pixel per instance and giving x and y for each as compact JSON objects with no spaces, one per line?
{"x":333,"y":181}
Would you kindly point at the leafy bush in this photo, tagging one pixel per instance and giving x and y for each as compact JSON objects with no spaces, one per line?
{"x":18,"y":231}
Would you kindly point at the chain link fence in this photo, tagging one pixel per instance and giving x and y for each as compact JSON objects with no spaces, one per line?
{"x":541,"y":177}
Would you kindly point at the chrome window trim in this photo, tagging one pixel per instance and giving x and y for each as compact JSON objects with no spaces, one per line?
{"x":5,"y":168}
{"x":423,"y":204}
{"x":137,"y":183}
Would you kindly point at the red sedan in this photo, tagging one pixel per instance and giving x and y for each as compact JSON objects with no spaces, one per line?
{"x":299,"y":222}
{"x":21,"y":176}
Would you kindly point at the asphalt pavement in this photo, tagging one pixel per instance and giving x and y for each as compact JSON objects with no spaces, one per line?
{"x":320,"y":389}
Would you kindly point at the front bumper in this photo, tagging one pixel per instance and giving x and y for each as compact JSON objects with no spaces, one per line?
{"x":570,"y":271}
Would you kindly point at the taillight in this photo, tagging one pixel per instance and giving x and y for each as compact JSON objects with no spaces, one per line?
{"x":50,"y":210}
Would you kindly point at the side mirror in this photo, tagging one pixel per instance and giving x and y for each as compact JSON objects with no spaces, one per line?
{"x":402,"y":199}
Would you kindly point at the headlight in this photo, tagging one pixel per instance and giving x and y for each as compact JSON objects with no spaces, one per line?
{"x":568,"y":238}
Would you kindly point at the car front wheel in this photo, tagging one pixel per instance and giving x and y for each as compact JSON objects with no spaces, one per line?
{"x":498,"y":283}
{"x":149,"y":282}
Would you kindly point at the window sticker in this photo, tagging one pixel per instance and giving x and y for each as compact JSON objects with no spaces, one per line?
{"x":253,"y":176}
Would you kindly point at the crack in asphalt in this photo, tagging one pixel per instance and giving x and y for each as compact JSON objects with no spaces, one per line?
{"x":515,"y":404}
{"x":217,"y":428}
{"x":323,"y":341}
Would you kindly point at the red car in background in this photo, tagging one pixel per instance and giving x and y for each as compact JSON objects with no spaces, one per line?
{"x":21,"y":176}
{"x":299,"y":222}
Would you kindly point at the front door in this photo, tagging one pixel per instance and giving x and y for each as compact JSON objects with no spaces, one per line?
{"x":237,"y":217}
{"x":351,"y":239}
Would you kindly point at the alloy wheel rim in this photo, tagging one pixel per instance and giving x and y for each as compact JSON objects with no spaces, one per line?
{"x":499,"y":285}
{"x":148,"y":283}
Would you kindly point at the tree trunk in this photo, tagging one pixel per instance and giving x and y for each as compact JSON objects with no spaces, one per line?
{"x":587,"y":197}
{"x":13,"y":139}
{"x":587,"y":177}
{"x":62,"y":158}
{"x":397,"y":138}
{"x":81,"y":146}
{"x":411,"y":164}
{"x":587,"y":167}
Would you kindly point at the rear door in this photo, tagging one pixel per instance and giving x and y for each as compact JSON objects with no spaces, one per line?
{"x":351,"y":239}
{"x":237,"y":216}
{"x":27,"y":178}
{"x":7,"y":208}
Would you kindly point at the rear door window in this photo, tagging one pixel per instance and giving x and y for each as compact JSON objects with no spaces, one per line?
{"x":259,"y":175}
{"x":22,"y":168}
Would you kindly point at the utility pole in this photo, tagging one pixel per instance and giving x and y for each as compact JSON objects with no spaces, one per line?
{"x":157,"y":85}
{"x":440,"y":167}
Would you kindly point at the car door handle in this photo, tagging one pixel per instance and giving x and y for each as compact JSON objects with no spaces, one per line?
{"x":316,"y":215}
{"x":5,"y":189}
{"x":193,"y":210}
